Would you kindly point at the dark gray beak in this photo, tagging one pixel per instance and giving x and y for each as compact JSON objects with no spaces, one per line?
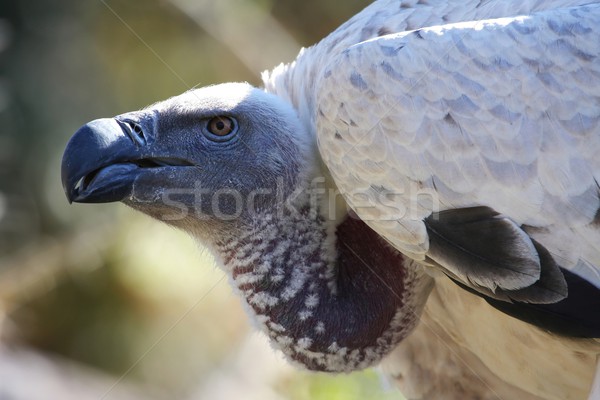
{"x":98,"y":164}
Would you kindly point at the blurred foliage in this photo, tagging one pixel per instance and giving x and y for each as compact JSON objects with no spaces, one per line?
{"x":100,"y":284}
{"x":357,"y":386}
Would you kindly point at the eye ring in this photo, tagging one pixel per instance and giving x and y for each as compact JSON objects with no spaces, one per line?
{"x":221,"y":127}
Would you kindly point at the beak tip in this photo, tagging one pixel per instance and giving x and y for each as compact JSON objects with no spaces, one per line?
{"x":67,"y":174}
{"x":69,"y":195}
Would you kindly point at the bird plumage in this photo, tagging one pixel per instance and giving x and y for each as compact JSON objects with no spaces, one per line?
{"x":467,"y":99}
{"x":464,"y":137}
{"x":464,"y":349}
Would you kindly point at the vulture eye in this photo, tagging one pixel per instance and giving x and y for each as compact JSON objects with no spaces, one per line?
{"x":221,"y":127}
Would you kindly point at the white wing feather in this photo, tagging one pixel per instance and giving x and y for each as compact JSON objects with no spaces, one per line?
{"x":503,"y":113}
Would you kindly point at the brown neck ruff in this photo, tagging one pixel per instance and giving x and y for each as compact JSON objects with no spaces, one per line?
{"x":336,"y":302}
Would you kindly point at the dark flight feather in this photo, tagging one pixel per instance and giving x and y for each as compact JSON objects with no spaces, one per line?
{"x":578,"y":315}
{"x":483,"y":248}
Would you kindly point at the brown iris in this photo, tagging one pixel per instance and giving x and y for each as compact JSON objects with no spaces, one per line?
{"x":221,"y":126}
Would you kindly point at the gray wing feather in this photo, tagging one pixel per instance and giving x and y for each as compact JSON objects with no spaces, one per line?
{"x":550,"y":288}
{"x":483,"y":248}
{"x":492,"y":255}
{"x":500,"y":113}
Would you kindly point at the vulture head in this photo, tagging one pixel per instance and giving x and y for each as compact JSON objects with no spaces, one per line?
{"x":206,"y":160}
{"x":236,"y":168}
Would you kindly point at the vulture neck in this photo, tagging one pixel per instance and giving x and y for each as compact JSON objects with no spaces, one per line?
{"x":331,"y":299}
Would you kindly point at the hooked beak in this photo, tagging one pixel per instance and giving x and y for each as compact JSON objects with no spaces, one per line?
{"x":95,"y":167}
{"x":105,"y":157}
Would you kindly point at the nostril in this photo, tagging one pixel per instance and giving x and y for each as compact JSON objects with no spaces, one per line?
{"x":134,"y":131}
{"x":138,"y":130}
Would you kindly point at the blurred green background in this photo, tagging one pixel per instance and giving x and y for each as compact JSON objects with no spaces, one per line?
{"x":105,"y":302}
